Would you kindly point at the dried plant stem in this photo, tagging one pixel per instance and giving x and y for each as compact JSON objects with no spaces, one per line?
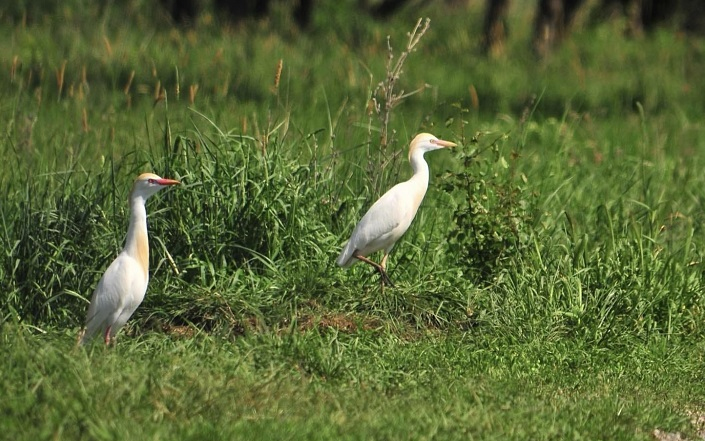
{"x":385,"y":90}
{"x":126,"y":90}
{"x":14,"y":67}
{"x":108,"y":46}
{"x":60,"y":78}
{"x":192,"y":91}
{"x":84,"y":121}
{"x":277,"y":76}
{"x":384,"y":99}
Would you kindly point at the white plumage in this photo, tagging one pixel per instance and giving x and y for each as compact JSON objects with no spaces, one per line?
{"x":121,"y":289}
{"x":389,"y":218}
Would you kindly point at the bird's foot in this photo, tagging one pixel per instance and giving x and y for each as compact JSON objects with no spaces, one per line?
{"x":384,"y":278}
{"x":79,"y":339}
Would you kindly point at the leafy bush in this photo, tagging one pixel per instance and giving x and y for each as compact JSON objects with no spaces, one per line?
{"x":494,"y":212}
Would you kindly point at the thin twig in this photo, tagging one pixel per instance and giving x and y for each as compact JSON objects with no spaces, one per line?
{"x":386,"y":88}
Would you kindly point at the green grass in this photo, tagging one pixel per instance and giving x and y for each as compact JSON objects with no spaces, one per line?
{"x":550,"y":287}
{"x":324,"y":383}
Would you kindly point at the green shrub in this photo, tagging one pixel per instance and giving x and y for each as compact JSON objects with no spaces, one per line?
{"x":494,"y":208}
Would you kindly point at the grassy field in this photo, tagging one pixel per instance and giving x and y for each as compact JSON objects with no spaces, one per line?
{"x":551,"y":286}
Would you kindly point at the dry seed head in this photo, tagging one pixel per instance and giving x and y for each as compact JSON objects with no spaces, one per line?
{"x":84,"y":121}
{"x":13,"y":69}
{"x":157,"y":90}
{"x":474,"y":100}
{"x":278,"y":74}
{"x":60,"y":77}
{"x":192,"y":91}
{"x":129,"y":83}
{"x":108,"y":47}
{"x":372,"y":107}
{"x":160,"y":96}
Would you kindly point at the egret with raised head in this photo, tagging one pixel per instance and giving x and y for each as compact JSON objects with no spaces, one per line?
{"x":124,"y":284}
{"x":389,"y":218}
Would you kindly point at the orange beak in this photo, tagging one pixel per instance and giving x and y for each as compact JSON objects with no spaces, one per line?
{"x":167,"y":181}
{"x":443,"y":143}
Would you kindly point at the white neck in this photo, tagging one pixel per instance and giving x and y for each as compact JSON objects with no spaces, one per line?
{"x":136,"y":244}
{"x":420,"y":167}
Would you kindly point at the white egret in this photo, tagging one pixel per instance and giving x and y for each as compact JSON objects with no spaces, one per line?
{"x":121,"y":289}
{"x":389,"y":218}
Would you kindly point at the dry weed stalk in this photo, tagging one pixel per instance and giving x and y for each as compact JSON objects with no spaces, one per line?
{"x":83,"y":87}
{"x":84,"y":121}
{"x":192,"y":91}
{"x":60,"y":78}
{"x":161,"y":96}
{"x":157,"y":91}
{"x":108,"y":46}
{"x":474,"y":99}
{"x":224,"y":89}
{"x":384,"y":97}
{"x":177,"y":87}
{"x":13,"y":68}
{"x":126,"y":90}
{"x":277,"y":76}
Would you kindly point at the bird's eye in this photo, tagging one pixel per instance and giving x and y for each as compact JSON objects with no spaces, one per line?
{"x":151,"y":181}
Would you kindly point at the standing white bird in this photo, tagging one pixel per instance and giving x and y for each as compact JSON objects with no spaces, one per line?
{"x":389,"y":218}
{"x":121,"y":289}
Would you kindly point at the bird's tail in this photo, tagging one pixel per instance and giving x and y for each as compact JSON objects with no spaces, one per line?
{"x":83,"y":338}
{"x":89,"y":330}
{"x":346,"y":259}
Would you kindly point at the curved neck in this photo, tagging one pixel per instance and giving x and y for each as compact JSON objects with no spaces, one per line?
{"x":420,"y":167}
{"x":136,"y":244}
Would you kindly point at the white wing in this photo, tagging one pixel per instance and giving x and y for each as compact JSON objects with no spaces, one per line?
{"x":123,"y":284}
{"x":383,"y":224}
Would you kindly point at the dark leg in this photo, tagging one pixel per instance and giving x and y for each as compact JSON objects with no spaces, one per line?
{"x":380,"y":269}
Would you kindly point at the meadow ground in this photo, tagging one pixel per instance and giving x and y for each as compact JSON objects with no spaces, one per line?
{"x":551,"y":286}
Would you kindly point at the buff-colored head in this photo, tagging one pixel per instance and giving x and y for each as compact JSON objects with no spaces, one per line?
{"x":425,"y":142}
{"x":147,"y":184}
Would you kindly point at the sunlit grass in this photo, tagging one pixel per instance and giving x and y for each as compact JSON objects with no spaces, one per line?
{"x":323,"y":383}
{"x":551,"y":286}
